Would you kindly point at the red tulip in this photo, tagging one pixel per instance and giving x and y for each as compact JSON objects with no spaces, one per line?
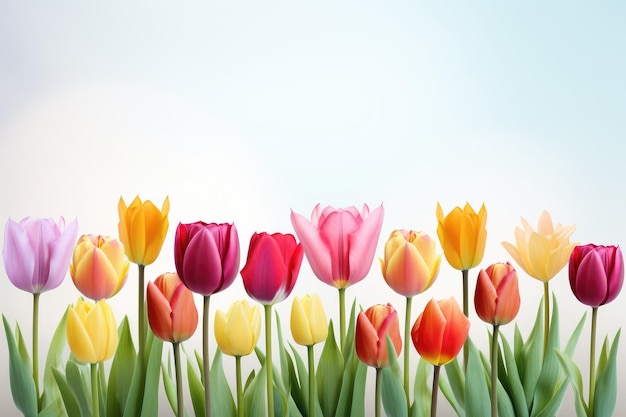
{"x":497,"y":297}
{"x":440,"y":331}
{"x":272,"y":267}
{"x":172,"y":313}
{"x":596,"y":273}
{"x":206,"y":256}
{"x":372,"y":328}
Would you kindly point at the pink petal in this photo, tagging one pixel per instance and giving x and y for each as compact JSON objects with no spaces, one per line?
{"x":363,"y":245}
{"x":315,"y":249}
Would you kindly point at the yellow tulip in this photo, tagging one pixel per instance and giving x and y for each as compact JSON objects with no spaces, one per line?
{"x":91,"y":331}
{"x":462,"y":235}
{"x":542,"y":253}
{"x":308,"y":320}
{"x":237,"y":331}
{"x":142,"y":229}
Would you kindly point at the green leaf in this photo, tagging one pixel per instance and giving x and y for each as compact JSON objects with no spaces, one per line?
{"x":603,"y":358}
{"x":422,"y":392}
{"x":78,"y":379}
{"x":224,"y":404}
{"x":392,"y":385}
{"x":69,"y":401}
{"x":169,"y":384}
{"x":515,"y":389}
{"x":476,"y":390}
{"x":352,"y":395}
{"x":196,"y":389}
{"x":55,"y":408}
{"x":254,"y":396}
{"x":456,"y":380}
{"x":20,"y":376}
{"x":606,"y":385}
{"x":329,"y":375}
{"x":282,"y":354}
{"x":446,"y":390}
{"x":573,"y":374}
{"x":357,"y":408}
{"x":573,"y":340}
{"x":121,"y":372}
{"x":150,"y":407}
{"x":531,"y":357}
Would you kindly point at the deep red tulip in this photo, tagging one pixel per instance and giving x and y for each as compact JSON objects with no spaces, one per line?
{"x":497,"y":297}
{"x":596,"y":273}
{"x":372,"y":328}
{"x":272,"y":267}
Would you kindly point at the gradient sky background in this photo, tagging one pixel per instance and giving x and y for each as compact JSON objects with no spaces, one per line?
{"x":241,"y":111}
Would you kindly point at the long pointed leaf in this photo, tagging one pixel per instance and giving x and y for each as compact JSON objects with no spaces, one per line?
{"x":20,"y":376}
{"x":606,"y":385}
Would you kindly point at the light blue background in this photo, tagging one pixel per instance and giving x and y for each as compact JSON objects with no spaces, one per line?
{"x":241,"y":111}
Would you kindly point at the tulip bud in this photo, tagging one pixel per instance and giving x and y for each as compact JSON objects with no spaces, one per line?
{"x":462,"y":235}
{"x":91,"y":331}
{"x":497,"y":298}
{"x":237,"y":331}
{"x":440,"y":331}
{"x":372,"y":329}
{"x":99,"y":266}
{"x":596,"y":273}
{"x":308,"y":320}
{"x":172,"y":313}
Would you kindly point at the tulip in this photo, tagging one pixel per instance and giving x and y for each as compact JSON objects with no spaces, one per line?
{"x":308,"y":320}
{"x":497,"y":298}
{"x":207,"y":262}
{"x":340,"y":245}
{"x":142,"y":228}
{"x":462,"y":235}
{"x":596,"y":276}
{"x":172,"y":313}
{"x":91,"y":331}
{"x":440,"y":331}
{"x":438,"y":335}
{"x":36,"y":253}
{"x":269,"y":275}
{"x":99,"y":266}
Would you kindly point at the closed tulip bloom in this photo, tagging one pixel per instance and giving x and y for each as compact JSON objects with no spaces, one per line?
{"x":411,"y":262}
{"x":372,"y":328}
{"x":440,"y":331}
{"x":172,"y":313}
{"x":497,"y":298}
{"x":206,"y":256}
{"x":596,"y":273}
{"x":462,"y":234}
{"x":36,"y":252}
{"x":272,"y":267}
{"x":339,"y":243}
{"x":91,"y":331}
{"x":99,"y":266}
{"x":308,"y":320}
{"x":237,"y":332}
{"x":142,"y":228}
{"x":544,"y":252}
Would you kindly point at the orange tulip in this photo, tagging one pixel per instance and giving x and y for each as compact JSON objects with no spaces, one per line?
{"x":440,"y":331}
{"x":462,"y":235}
{"x":497,"y":298}
{"x":172,"y":314}
{"x":372,"y":328}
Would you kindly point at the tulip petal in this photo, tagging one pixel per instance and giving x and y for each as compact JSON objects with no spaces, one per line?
{"x":591,"y":290}
{"x":219,"y":328}
{"x":316,"y":249}
{"x":78,"y":338}
{"x":485,"y":298}
{"x":184,"y":314}
{"x":615,"y":275}
{"x":159,"y":313}
{"x":202,"y":266}
{"x":508,"y":301}
{"x":428,"y":333}
{"x":265,"y":271}
{"x":228,"y":241}
{"x":539,"y":248}
{"x":18,"y":256}
{"x":239,"y":333}
{"x":456,"y":330}
{"x":366,"y":340}
{"x":362,"y":245}
{"x":95,"y":276}
{"x":299,"y":323}
{"x":60,"y":255}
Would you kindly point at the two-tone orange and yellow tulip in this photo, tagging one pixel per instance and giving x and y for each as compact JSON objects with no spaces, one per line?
{"x":497,"y":298}
{"x":462,"y":234}
{"x":142,"y":228}
{"x":308,"y":320}
{"x":91,"y":331}
{"x":440,"y":331}
{"x":172,"y":313}
{"x":411,"y":263}
{"x":237,"y":331}
{"x":372,"y":328}
{"x":99,"y":266}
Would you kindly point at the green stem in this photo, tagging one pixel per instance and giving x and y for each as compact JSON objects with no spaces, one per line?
{"x":379,"y":378}
{"x":433,"y":399}
{"x":592,"y":359}
{"x":95,"y":406}
{"x":36,"y":344}
{"x":240,"y":403}
{"x":546,"y":317}
{"x":206,"y":360}
{"x":179,"y":380}
{"x":465,"y":274}
{"x":494,"y":371}
{"x":268,"y":360}
{"x":311,"y":381}
{"x":407,"y":338}
{"x":342,"y":317}
{"x":141,"y":317}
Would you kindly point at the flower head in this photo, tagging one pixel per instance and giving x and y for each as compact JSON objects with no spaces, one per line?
{"x":237,"y":331}
{"x":308,"y":320}
{"x":596,"y":273}
{"x":372,"y":328}
{"x":91,"y":331}
{"x":497,"y":298}
{"x":462,"y":234}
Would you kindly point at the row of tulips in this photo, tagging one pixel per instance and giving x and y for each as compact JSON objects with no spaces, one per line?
{"x":527,"y":379}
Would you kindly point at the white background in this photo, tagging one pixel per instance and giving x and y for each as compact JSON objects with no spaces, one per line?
{"x":241,"y":111}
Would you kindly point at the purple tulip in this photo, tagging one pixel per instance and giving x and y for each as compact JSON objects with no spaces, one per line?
{"x":596,"y":273}
{"x":37,"y":252}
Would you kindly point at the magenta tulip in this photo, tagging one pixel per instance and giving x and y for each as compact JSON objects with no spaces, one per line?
{"x":339,"y":243}
{"x":37,"y":252}
{"x":272,"y":267}
{"x":596,"y":273}
{"x":206,"y":256}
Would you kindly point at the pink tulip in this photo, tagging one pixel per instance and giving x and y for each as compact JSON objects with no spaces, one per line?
{"x":596,"y":273}
{"x":206,"y":256}
{"x":339,"y":243}
{"x":272,"y":267}
{"x":37,"y":252}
